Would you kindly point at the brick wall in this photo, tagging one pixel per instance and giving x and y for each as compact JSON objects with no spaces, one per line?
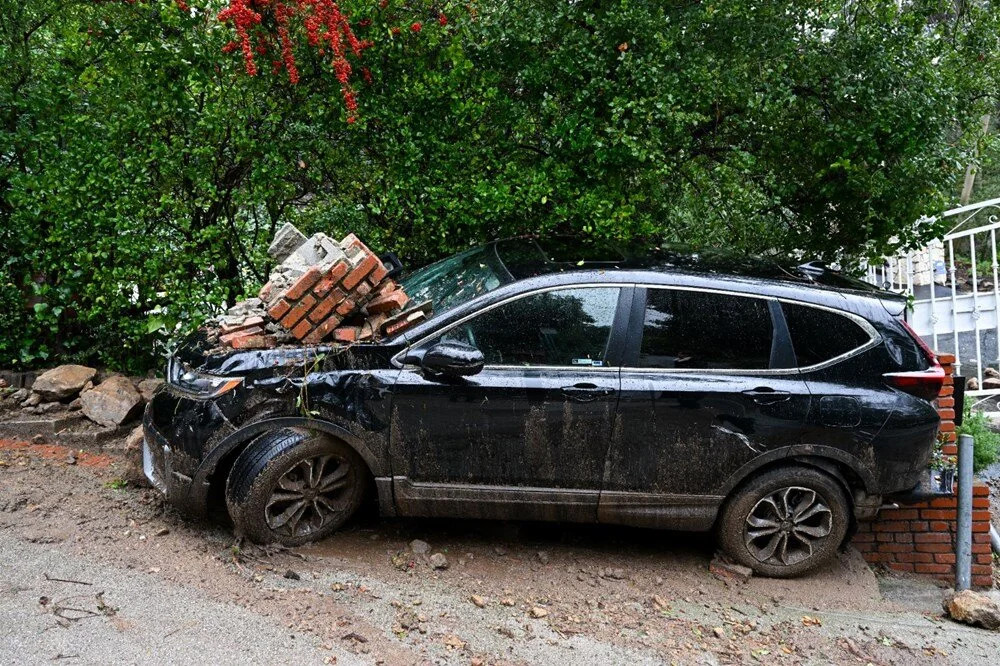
{"x":920,"y":538}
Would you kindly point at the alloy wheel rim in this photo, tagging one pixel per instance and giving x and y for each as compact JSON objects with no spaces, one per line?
{"x":787,"y":525}
{"x":309,"y":495}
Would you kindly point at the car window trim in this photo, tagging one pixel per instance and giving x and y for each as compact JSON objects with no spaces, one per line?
{"x":396,"y":360}
{"x":875,"y":337}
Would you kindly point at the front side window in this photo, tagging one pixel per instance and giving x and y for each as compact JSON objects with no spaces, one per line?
{"x":819,"y":335}
{"x":566,"y":327}
{"x":705,"y":330}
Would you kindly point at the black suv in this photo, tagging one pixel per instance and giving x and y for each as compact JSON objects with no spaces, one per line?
{"x":566,"y":380}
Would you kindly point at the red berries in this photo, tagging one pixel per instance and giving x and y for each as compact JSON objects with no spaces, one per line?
{"x":416,"y":26}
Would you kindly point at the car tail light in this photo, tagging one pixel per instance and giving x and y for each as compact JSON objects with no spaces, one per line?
{"x":924,"y":384}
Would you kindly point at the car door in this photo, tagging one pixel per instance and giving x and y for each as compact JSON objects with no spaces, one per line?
{"x":708,"y":385}
{"x":527,"y":437}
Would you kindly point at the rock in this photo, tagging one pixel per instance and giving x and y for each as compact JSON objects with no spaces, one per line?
{"x":973,"y":608}
{"x":719,"y":632}
{"x":722,"y":568}
{"x":418,"y":547}
{"x":506,"y":601}
{"x":538,"y":612}
{"x":542,"y":556}
{"x":38,"y":439}
{"x":287,"y":240}
{"x":660,"y":603}
{"x":614,"y":573}
{"x":163,"y":531}
{"x":292,"y":575}
{"x":132,"y":472}
{"x":20,"y":395}
{"x":75,"y":405}
{"x":479,"y":601}
{"x":992,"y":373}
{"x":438,"y":561}
{"x":47,"y":407}
{"x":63,"y":382}
{"x":71,"y":459}
{"x":112,"y":402}
{"x":147,"y":387}
{"x":991,"y":383}
{"x":32,"y":400}
{"x":972,"y":384}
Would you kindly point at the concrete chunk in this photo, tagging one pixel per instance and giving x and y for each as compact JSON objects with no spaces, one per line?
{"x":287,"y":240}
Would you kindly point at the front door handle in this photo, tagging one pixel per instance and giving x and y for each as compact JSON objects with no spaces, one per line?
{"x":586,"y":392}
{"x":765,"y":395}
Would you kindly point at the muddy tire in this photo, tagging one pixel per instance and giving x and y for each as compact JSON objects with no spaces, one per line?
{"x":294,"y":486}
{"x":785,"y":522}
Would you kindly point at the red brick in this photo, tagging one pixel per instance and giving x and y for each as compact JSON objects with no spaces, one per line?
{"x":864,"y":547}
{"x":302,"y":285}
{"x":399,"y":325}
{"x":898,"y":514}
{"x":251,"y":322}
{"x":981,"y":569}
{"x":895,"y":548}
{"x":360,"y":272}
{"x":346,"y":307}
{"x":937,"y":514}
{"x":980,"y":502}
{"x":278,"y":310}
{"x":946,"y":413}
{"x":946,"y":359}
{"x":228,"y":338}
{"x":256,"y":341}
{"x":952,"y":448}
{"x":332,"y":277}
{"x":946,"y":391}
{"x":944,"y":558}
{"x":322,"y":309}
{"x":346,"y":334}
{"x":981,"y":538}
{"x":377,"y":275}
{"x":915,"y":557}
{"x":981,"y":515}
{"x":266,"y":292}
{"x":322,"y":331}
{"x":886,"y":537}
{"x":302,"y":329}
{"x":353,"y":241}
{"x":980,"y":490}
{"x":901,"y":566}
{"x":944,"y":502}
{"x":298,"y":311}
{"x":904,"y":537}
{"x":361,"y":291}
{"x":978,"y":548}
{"x":982,"y":581}
{"x":891,"y":526}
{"x":946,"y":402}
{"x":946,"y":426}
{"x":933,"y":547}
{"x":880,"y":557}
{"x":932,"y":568}
{"x":980,"y":526}
{"x":932,"y":537}
{"x":392,"y":301}
{"x":863,"y":537}
{"x":941,"y":526}
{"x":982,"y":558}
{"x":918,"y":526}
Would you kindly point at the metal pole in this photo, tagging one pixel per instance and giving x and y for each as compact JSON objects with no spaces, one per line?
{"x":963,"y":551}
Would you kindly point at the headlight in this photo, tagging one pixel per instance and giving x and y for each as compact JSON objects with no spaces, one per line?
{"x":200,"y":384}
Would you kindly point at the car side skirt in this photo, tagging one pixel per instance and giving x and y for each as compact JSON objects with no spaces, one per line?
{"x":404,"y":497}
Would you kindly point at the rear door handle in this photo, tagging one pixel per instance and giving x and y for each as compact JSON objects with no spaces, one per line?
{"x":765,"y":395}
{"x":586,"y":392}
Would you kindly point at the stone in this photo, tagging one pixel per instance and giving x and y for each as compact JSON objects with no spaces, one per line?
{"x":438,"y":561}
{"x":20,"y":395}
{"x":991,"y":383}
{"x":478,"y":601}
{"x":132,"y":473}
{"x":38,"y":439}
{"x":47,"y":407}
{"x":992,"y":373}
{"x":973,"y":608}
{"x":538,"y":612}
{"x":722,"y":568}
{"x":33,"y":400}
{"x":972,"y":384}
{"x":287,"y":240}
{"x":147,"y":387}
{"x":112,"y":402}
{"x":75,"y":405}
{"x":419,"y":547}
{"x":63,"y":382}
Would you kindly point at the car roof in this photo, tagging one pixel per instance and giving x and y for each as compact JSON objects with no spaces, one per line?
{"x":532,"y":256}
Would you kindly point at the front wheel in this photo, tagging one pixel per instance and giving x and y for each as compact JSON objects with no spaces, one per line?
{"x":294,"y":486}
{"x":785,"y":522}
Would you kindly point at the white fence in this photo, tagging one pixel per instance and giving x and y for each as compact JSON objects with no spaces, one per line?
{"x":955,"y":290}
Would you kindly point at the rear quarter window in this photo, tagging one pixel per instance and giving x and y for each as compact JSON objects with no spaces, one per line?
{"x":819,"y":335}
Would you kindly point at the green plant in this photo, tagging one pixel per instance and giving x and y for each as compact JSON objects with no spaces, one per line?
{"x":116,"y":484}
{"x":986,"y":445}
{"x":939,"y":460}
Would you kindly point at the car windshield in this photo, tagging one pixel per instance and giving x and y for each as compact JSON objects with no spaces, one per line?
{"x":457,"y":279}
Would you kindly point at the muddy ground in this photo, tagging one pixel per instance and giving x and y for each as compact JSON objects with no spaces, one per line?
{"x":511,"y":594}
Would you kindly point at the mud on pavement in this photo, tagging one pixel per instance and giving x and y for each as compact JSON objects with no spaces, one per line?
{"x":412,"y":591}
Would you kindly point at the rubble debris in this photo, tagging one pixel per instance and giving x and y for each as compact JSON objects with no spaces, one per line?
{"x":64,"y":381}
{"x":973,"y":608}
{"x":321,"y":290}
{"x":722,"y":568}
{"x":147,"y":387}
{"x":420,"y":547}
{"x":438,"y":561}
{"x":112,"y":402}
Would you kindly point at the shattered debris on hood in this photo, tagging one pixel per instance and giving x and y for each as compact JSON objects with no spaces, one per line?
{"x":320,"y":290}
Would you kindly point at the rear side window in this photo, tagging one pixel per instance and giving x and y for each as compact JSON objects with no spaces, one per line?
{"x":705,"y":330}
{"x":819,"y":335}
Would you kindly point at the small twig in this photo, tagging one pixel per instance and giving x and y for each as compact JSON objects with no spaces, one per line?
{"x":66,"y":580}
{"x":65,"y":656}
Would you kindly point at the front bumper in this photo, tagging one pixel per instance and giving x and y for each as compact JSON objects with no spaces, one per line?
{"x":160,"y":465}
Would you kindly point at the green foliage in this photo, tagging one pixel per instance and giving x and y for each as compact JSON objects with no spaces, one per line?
{"x":142,"y":173}
{"x":986,"y":447}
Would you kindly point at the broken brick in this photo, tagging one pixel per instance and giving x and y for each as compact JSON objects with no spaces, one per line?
{"x":346,"y":307}
{"x":278,"y":310}
{"x":252,"y":322}
{"x":298,"y":311}
{"x":302,"y":329}
{"x":254,"y":341}
{"x":392,"y":301}
{"x":332,"y":277}
{"x":360,"y":272}
{"x":324,"y":308}
{"x":303,"y":284}
{"x":346,"y":334}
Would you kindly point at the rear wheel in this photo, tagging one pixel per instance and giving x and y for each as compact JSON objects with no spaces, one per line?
{"x":294,"y":486}
{"x":785,"y":522}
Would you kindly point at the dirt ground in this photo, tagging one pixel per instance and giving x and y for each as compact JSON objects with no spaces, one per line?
{"x":511,"y":594}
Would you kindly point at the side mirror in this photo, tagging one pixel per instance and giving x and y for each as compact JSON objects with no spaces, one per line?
{"x":452,"y":358}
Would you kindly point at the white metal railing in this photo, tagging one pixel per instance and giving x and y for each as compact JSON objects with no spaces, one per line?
{"x":949,"y":308}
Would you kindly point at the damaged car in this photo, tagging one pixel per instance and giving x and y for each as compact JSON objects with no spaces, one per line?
{"x":564,"y":380}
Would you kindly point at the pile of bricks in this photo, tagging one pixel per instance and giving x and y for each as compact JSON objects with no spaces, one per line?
{"x":921,"y":538}
{"x":321,"y":290}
